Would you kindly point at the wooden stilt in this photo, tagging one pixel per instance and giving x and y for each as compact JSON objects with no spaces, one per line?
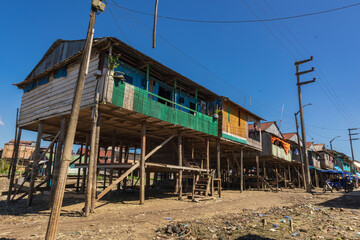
{"x":49,"y":165}
{"x":142,"y":162}
{"x":97,"y":158}
{"x":57,"y":160}
{"x":218,"y":167}
{"x":207,"y":149}
{"x":35,"y":164}
{"x":79,"y":170}
{"x":257,"y":173}
{"x":289,"y":170}
{"x":316,"y":178}
{"x":14,"y":164}
{"x":242,"y":184}
{"x":112,"y":156}
{"x":92,"y":162}
{"x":147,"y":184}
{"x":228,"y":172}
{"x":180,"y":161}
{"x":277,"y":178}
{"x":86,"y":160}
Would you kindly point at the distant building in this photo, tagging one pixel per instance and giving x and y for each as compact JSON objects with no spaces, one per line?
{"x":26,"y":150}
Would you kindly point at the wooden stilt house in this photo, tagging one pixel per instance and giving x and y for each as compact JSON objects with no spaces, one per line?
{"x":130,"y":101}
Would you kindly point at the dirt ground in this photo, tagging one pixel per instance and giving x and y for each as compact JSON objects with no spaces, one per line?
{"x":250,"y":215}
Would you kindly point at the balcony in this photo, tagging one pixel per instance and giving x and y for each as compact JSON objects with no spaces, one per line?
{"x":279,"y":152}
{"x":139,"y":100}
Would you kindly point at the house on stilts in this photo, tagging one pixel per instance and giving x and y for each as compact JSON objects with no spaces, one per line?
{"x":132,"y":104}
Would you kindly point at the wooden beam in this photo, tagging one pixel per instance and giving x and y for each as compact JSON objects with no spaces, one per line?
{"x":207,"y":150}
{"x":92,"y":161}
{"x":242,"y":170}
{"x":158,"y":147}
{"x":257,"y":173}
{"x":142,"y":161}
{"x":180,"y":160}
{"x":218,"y":173}
{"x":14,"y":164}
{"x":35,"y":163}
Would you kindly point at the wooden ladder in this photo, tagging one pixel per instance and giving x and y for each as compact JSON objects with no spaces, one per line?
{"x":267,"y":184}
{"x":201,"y":187}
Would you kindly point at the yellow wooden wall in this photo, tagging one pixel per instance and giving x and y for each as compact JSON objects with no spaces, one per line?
{"x":233,"y":126}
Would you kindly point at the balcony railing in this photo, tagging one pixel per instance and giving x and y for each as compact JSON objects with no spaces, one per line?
{"x":138,"y":100}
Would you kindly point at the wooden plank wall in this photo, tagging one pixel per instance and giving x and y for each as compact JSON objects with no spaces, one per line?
{"x":233,"y":126}
{"x":56,"y":96}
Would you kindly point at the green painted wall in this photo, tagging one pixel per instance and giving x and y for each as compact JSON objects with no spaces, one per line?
{"x":133,"y":98}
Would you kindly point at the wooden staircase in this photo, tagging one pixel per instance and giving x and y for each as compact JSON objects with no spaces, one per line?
{"x":204,"y":188}
{"x":281,"y":179}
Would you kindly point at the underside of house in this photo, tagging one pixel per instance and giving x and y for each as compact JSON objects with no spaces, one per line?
{"x":186,"y":136}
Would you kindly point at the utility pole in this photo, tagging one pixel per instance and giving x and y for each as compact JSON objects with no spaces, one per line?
{"x":96,"y":6}
{"x":300,"y":151}
{"x":332,"y":141}
{"x":299,"y":84}
{"x":352,"y":139}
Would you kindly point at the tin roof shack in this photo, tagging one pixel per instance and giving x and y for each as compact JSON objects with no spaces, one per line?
{"x":276,"y":156}
{"x":313,"y":156}
{"x":325,"y":157}
{"x":140,"y":104}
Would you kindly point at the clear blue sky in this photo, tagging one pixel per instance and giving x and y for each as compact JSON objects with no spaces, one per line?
{"x":245,"y":55}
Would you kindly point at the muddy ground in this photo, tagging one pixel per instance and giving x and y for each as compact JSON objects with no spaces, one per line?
{"x":250,"y":215}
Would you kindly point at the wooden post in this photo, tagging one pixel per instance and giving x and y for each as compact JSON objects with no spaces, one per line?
{"x":57,"y":160}
{"x":242,"y":170}
{"x":79,"y":169}
{"x":142,"y":162}
{"x":35,"y":164}
{"x":13,"y":165}
{"x":112,"y":156}
{"x":228,"y":172}
{"x":289,"y":170}
{"x":207,"y":149}
{"x":299,"y":179}
{"x":218,"y":166}
{"x":49,"y":165}
{"x":97,"y":158}
{"x":86,"y":160}
{"x":257,"y":173}
{"x":316,"y":178}
{"x":277,"y":178}
{"x":180,"y":159}
{"x":147,"y":184}
{"x":92,"y":161}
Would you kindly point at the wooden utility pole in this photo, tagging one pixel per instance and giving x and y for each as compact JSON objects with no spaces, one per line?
{"x":300,"y":151}
{"x":155,"y":21}
{"x":299,"y":84}
{"x":242,"y":170}
{"x":70,"y":135}
{"x":351,"y":146}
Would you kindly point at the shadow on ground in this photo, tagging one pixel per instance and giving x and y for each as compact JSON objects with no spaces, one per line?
{"x":347,"y":201}
{"x":40,"y":203}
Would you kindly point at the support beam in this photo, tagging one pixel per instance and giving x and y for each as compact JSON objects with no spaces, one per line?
{"x":277,"y":178}
{"x":35,"y":164}
{"x":92,"y":161}
{"x":86,"y":160}
{"x":257,"y":173}
{"x":218,"y":165}
{"x":79,"y":170}
{"x":57,"y":160}
{"x":180,"y":159}
{"x":242,"y":170}
{"x":14,"y":164}
{"x":207,"y":150}
{"x":142,"y":162}
{"x":97,"y":158}
{"x":112,"y":156}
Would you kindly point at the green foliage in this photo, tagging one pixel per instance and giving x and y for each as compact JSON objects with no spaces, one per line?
{"x":114,"y":61}
{"x":4,"y":166}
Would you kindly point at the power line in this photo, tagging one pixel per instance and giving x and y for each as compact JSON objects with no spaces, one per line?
{"x":243,"y":21}
{"x":194,"y":60}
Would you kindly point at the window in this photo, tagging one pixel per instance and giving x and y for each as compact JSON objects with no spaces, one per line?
{"x":128,"y":79}
{"x":229,"y":113}
{"x":239,"y":117}
{"x":62,"y":72}
{"x":36,"y":83}
{"x":43,"y":80}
